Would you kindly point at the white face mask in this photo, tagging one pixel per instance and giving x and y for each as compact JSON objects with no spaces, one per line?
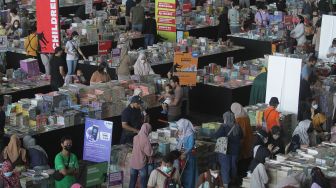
{"x":16,"y":26}
{"x":315,"y":106}
{"x":143,"y":61}
{"x":214,"y":174}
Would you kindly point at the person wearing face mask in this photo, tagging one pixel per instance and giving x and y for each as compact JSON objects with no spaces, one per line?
{"x":261,"y":138}
{"x":186,"y":145}
{"x":123,"y":70}
{"x":100,"y":75}
{"x":229,"y":161}
{"x":275,"y":140}
{"x":9,"y":178}
{"x":67,"y":164}
{"x":15,"y":31}
{"x":271,"y":115}
{"x":332,"y":52}
{"x":142,"y":67}
{"x":13,"y":14}
{"x":234,"y":20}
{"x":73,"y":52}
{"x":38,"y":158}
{"x":57,"y":72}
{"x":299,"y":32}
{"x":261,"y":17}
{"x":166,"y":176}
{"x":210,"y":178}
{"x":303,"y":130}
{"x":141,"y":156}
{"x":308,"y":68}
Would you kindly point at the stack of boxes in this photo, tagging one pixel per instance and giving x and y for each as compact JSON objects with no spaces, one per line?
{"x":30,"y":66}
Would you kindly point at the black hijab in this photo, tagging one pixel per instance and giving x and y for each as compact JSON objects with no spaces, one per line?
{"x":261,"y":154}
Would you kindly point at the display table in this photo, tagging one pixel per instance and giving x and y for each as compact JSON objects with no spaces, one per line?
{"x":217,"y":100}
{"x":254,"y":48}
{"x":210,"y":32}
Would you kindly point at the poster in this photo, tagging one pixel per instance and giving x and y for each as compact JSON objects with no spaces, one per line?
{"x":104,"y":47}
{"x":328,"y":33}
{"x":97,"y":140}
{"x":3,"y":43}
{"x":165,"y":15}
{"x":116,"y":179}
{"x":88,"y":6}
{"x":48,"y":25}
{"x":283,"y":82}
{"x":185,"y":67}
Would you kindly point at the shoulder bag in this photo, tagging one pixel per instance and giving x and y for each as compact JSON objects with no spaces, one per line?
{"x":222,"y":142}
{"x":58,"y":176}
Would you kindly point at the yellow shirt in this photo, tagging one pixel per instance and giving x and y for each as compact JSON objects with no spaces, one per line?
{"x":31,"y":44}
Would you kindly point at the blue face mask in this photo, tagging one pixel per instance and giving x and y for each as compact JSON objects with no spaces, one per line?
{"x":8,"y":174}
{"x":166,"y":170}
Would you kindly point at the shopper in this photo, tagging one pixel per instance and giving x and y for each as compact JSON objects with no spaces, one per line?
{"x":142,"y":67}
{"x":318,"y":179}
{"x":258,"y":90}
{"x":261,"y":17}
{"x":223,"y":26}
{"x":332,"y":52}
{"x":186,"y":145}
{"x":323,"y":7}
{"x":243,"y":121}
{"x":123,"y":70}
{"x":13,"y":15}
{"x":229,"y":162}
{"x":303,"y":129}
{"x":308,"y":68}
{"x":166,"y":98}
{"x":276,"y":141}
{"x":165,"y":176}
{"x":259,"y":177}
{"x":307,"y":9}
{"x":14,"y":153}
{"x":211,"y":178}
{"x":261,"y":138}
{"x":234,"y":18}
{"x":31,"y":42}
{"x":149,"y":30}
{"x":38,"y":157}
{"x":293,"y":145}
{"x":25,"y":23}
{"x":8,"y":177}
{"x":79,"y":78}
{"x":2,"y":123}
{"x":141,"y":156}
{"x":129,"y":5}
{"x":131,"y":119}
{"x":316,"y":38}
{"x":66,"y":163}
{"x":137,"y":14}
{"x":298,"y":32}
{"x":57,"y":72}
{"x":15,"y":31}
{"x":73,"y":51}
{"x":319,"y":120}
{"x":175,"y":107}
{"x":100,"y":75}
{"x":271,"y":115}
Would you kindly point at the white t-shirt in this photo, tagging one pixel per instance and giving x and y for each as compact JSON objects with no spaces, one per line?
{"x":157,"y":180}
{"x":332,"y":58}
{"x":72,"y":45}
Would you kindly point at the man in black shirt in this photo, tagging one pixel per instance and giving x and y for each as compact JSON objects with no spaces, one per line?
{"x":57,"y":72}
{"x":149,"y":30}
{"x":132,"y":120}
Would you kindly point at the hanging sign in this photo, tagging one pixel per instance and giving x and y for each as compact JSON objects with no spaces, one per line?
{"x":104,"y":47}
{"x":47,"y":16}
{"x":185,"y":67}
{"x":165,"y":15}
{"x":97,"y":140}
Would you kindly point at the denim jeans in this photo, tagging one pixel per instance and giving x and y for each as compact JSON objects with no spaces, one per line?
{"x":228,"y":165}
{"x":71,"y":66}
{"x":235,"y":29}
{"x":143,"y":177}
{"x":137,"y":27}
{"x":149,"y":40}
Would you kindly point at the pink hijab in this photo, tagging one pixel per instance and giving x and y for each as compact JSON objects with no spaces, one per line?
{"x":142,"y":148}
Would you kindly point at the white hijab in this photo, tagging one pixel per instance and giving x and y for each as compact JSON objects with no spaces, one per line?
{"x":186,"y":128}
{"x":301,"y":130}
{"x":142,"y":69}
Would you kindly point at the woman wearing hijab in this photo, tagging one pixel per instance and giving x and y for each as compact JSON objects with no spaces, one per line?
{"x":258,"y":90}
{"x":298,"y":32}
{"x":229,"y":161}
{"x":244,"y":122}
{"x":303,"y":129}
{"x":14,"y":153}
{"x":257,"y":169}
{"x":275,"y":140}
{"x":142,"y":67}
{"x":186,"y":145}
{"x":125,"y":61}
{"x":318,"y":179}
{"x":317,"y":136}
{"x":38,"y":158}
{"x":141,"y":154}
{"x":261,"y":138}
{"x":8,"y":178}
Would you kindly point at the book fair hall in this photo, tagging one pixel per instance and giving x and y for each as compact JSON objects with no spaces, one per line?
{"x":167,"y":93}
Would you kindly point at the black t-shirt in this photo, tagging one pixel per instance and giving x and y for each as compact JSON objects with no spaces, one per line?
{"x":2,"y":122}
{"x":56,"y":77}
{"x":132,"y":116}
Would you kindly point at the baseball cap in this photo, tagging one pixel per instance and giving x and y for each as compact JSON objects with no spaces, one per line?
{"x":136,"y":99}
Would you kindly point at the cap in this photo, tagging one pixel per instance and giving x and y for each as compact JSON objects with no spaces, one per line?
{"x":274,"y":100}
{"x":136,"y":99}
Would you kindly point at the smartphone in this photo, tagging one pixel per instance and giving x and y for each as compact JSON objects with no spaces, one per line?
{"x":94,"y":133}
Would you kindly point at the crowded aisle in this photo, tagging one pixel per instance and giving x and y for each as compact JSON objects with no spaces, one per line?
{"x":167,"y":94}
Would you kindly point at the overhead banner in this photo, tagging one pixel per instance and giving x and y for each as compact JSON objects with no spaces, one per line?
{"x":165,"y":15}
{"x":185,"y":67}
{"x":328,"y":33}
{"x":97,"y":140}
{"x":104,"y":47}
{"x":48,"y":25}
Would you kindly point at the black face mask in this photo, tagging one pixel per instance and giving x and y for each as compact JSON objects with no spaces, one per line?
{"x":68,"y":148}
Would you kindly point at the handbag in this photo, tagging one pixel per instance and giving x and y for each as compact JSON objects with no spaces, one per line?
{"x":58,"y":176}
{"x":222,"y":143}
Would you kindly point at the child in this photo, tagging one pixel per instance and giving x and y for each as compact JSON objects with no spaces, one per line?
{"x":79,"y":77}
{"x":167,"y":97}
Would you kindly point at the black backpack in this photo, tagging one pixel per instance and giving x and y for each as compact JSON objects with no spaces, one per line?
{"x":169,"y":182}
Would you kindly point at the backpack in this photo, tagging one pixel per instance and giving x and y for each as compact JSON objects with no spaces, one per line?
{"x":169,"y":182}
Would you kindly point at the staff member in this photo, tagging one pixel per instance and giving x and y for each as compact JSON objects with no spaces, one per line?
{"x":131,"y":119}
{"x":57,"y":72}
{"x":174,"y":108}
{"x":271,"y":115}
{"x":31,"y":42}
